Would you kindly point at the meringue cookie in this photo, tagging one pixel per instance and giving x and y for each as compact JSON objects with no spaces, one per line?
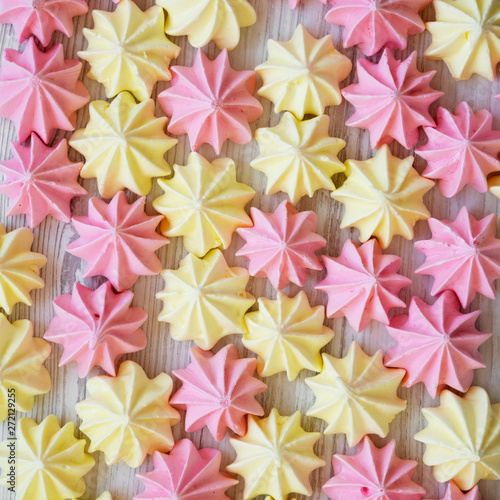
{"x":383,"y":197}
{"x":50,"y":461}
{"x":356,"y":395}
{"x":218,"y":391}
{"x":303,"y":74}
{"x":21,"y":365}
{"x":275,"y":456}
{"x":203,"y":203}
{"x":298,"y":157}
{"x":128,"y":50}
{"x":19,"y":268}
{"x":128,"y":416}
{"x":124,"y":145}
{"x":453,"y":492}
{"x":205,"y":299}
{"x":362,"y":284}
{"x":494,"y":185}
{"x":281,"y":245}
{"x":287,"y":335}
{"x":105,"y":495}
{"x":217,"y":20}
{"x":211,"y":102}
{"x":462,"y":438}
{"x":32,"y":82}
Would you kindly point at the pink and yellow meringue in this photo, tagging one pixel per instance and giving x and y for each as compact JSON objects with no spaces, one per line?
{"x":453,"y":492}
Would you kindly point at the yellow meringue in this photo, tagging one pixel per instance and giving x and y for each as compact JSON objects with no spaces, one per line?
{"x":287,"y":335}
{"x":123,"y":145}
{"x":494,"y":185}
{"x":356,"y":395}
{"x":105,"y":495}
{"x":205,"y":299}
{"x":383,"y":197}
{"x":205,"y":20}
{"x":204,"y":203}
{"x":275,"y":456}
{"x":50,"y":461}
{"x":128,"y":416}
{"x":128,"y":50}
{"x":303,"y":74}
{"x":298,"y":157}
{"x":462,"y":438}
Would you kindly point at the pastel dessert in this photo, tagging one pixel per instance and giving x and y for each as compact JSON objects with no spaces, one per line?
{"x":118,"y":240}
{"x":494,"y":185}
{"x":282,"y":245}
{"x":21,"y":365}
{"x":218,"y":391}
{"x":303,"y":74}
{"x":186,"y":474}
{"x":217,"y":20}
{"x":31,"y":82}
{"x":128,"y":416}
{"x":275,"y":456}
{"x":96,"y":327}
{"x":41,"y":18}
{"x":211,"y":102}
{"x":298,"y":157}
{"x":462,"y":150}
{"x":373,"y":473}
{"x":453,"y":492}
{"x":124,"y":145}
{"x":462,"y":438}
{"x":205,"y":299}
{"x":466,"y":36}
{"x":362,"y":284}
{"x":383,"y":197}
{"x":203,"y":203}
{"x":50,"y":460}
{"x":356,"y":395}
{"x":391,"y":100}
{"x":128,"y":50}
{"x":462,"y":255}
{"x":374,"y":24}
{"x":105,"y":495}
{"x":19,"y":268}
{"x":287,"y":335}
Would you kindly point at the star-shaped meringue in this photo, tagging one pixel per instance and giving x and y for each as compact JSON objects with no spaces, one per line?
{"x":287,"y":335}
{"x":383,"y":197}
{"x":118,"y":241}
{"x":203,"y":203}
{"x":211,"y":102}
{"x":303,"y":74}
{"x":463,"y":255}
{"x":124,"y":145}
{"x":462,"y":149}
{"x":453,"y":492}
{"x":391,"y":100}
{"x":362,"y":284}
{"x":205,"y":299}
{"x":218,"y":391}
{"x":128,"y":50}
{"x":281,"y":245}
{"x":298,"y":157}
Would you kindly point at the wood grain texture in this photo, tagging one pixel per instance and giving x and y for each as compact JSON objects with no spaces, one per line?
{"x":274,"y":20}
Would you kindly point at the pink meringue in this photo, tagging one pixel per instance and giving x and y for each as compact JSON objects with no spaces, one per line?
{"x":437,"y":344}
{"x":41,"y":18}
{"x":40,"y":181}
{"x":218,"y":391}
{"x":362,"y":284}
{"x":392,"y":100}
{"x":118,"y":241}
{"x":463,"y":255}
{"x":96,"y":327}
{"x":40,"y":91}
{"x":373,"y":473}
{"x":462,"y":149}
{"x":281,"y":245}
{"x":186,"y":474}
{"x":374,"y":24}
{"x":453,"y":492}
{"x":211,"y":102}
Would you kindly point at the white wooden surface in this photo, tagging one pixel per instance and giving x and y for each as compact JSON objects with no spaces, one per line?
{"x":274,"y":20}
